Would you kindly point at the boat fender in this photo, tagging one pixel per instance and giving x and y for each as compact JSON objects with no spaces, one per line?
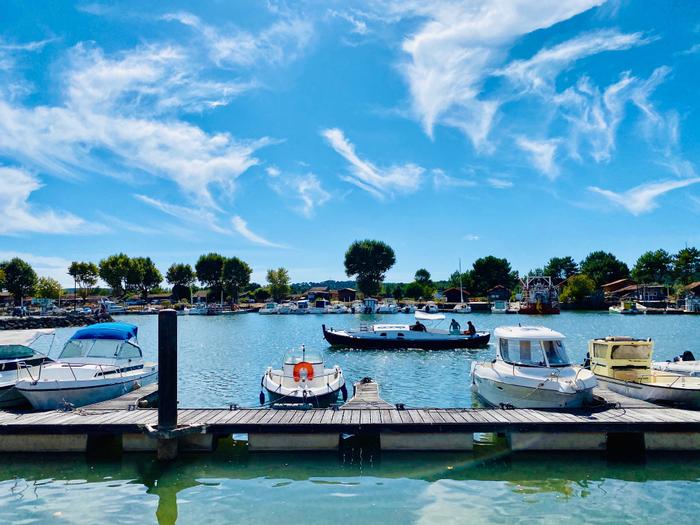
{"x":262,"y":397}
{"x":344,"y":392}
{"x":305,"y":366}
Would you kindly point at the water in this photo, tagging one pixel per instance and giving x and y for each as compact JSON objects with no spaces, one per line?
{"x":221,"y":360}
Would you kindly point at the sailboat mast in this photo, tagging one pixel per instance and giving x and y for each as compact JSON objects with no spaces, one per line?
{"x":461,"y":297}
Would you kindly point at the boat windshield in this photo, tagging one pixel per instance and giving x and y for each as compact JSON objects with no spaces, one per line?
{"x":556,"y":354}
{"x":15,"y":352}
{"x":106,"y":348}
{"x":296,"y":355}
{"x":522,"y":352}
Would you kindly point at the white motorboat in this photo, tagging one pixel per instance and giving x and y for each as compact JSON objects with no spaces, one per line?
{"x":270,"y":308}
{"x":285,"y":308}
{"x":430,"y":308}
{"x":19,"y":361}
{"x":303,"y":379}
{"x":388,"y":306}
{"x":462,"y":308}
{"x":531,"y":370}
{"x":113,"y":308}
{"x":320,"y":306}
{"x":369,"y":305}
{"x":300,"y":307}
{"x":499,"y":306}
{"x":357,"y":307}
{"x":684,"y":364}
{"x":199,"y":309}
{"x":627,"y":308}
{"x":623,"y":365}
{"x":337,"y":308}
{"x":99,"y":362}
{"x":408,"y":309}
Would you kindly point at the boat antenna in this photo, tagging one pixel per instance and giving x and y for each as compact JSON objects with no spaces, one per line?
{"x":461,"y":296}
{"x":303,"y":352}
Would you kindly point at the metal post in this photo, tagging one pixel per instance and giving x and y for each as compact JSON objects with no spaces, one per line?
{"x":167,"y":381}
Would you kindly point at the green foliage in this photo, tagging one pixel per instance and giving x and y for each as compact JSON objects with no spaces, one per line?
{"x":20,"y":278}
{"x":397,"y":293}
{"x":181,"y":277}
{"x":235,"y":276}
{"x":209,"y":270}
{"x":604,"y":267}
{"x":653,"y":267}
{"x":423,"y":276}
{"x":2,"y":277}
{"x":686,"y":265}
{"x":577,"y":288}
{"x":491,"y":271}
{"x":278,"y":281}
{"x":414,"y":290}
{"x":369,"y":260}
{"x":261,"y":295}
{"x":85,"y":275}
{"x":48,"y":288}
{"x":113,"y":270}
{"x":143,"y":275}
{"x":560,"y":268}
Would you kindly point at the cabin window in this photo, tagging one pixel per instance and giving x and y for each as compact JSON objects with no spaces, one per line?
{"x":129,"y":351}
{"x":400,"y":334}
{"x":630,"y":352}
{"x":522,"y":352}
{"x":383,"y":334}
{"x":556,"y":355}
{"x":600,"y":351}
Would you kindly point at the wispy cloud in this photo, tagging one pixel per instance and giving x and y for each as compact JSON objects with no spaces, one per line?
{"x":471,"y":237}
{"x":45,"y":266}
{"x":500,"y":184}
{"x":202,"y":217}
{"x":380,"y":182}
{"x":241,"y":227}
{"x":642,"y":199}
{"x":305,"y":189}
{"x":443,"y":181}
{"x":542,"y":154}
{"x":18,"y":215}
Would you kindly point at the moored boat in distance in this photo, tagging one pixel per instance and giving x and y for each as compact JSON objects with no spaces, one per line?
{"x":499,"y":306}
{"x":531,"y":370}
{"x":400,"y":335}
{"x":430,"y":308}
{"x":684,"y":364}
{"x":387,"y":306}
{"x":462,"y":308}
{"x":540,"y":296}
{"x":19,"y":361}
{"x":627,"y":308}
{"x":97,"y":363}
{"x":303,"y":379}
{"x":624,"y":365}
{"x":269,"y":308}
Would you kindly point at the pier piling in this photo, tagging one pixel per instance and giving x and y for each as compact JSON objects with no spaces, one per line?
{"x":167,"y":382}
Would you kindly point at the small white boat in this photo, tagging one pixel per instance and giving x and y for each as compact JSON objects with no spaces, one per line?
{"x":98,"y":362}
{"x":430,"y":308}
{"x":285,"y":308}
{"x":19,"y":361}
{"x":337,"y":308}
{"x":113,"y":308}
{"x":627,"y":308}
{"x":357,"y":307}
{"x":623,"y":365}
{"x":408,"y":309}
{"x":370,"y":305}
{"x":684,"y":364}
{"x":270,"y":308}
{"x":199,"y":309}
{"x":301,"y":307}
{"x":499,"y":306}
{"x":388,"y":306}
{"x":531,"y":370}
{"x":303,"y":379}
{"x":320,"y":306}
{"x":462,"y":308}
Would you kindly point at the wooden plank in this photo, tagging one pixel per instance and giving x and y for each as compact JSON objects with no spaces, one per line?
{"x":364,"y":417}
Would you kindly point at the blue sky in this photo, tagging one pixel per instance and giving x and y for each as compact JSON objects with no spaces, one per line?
{"x":281,"y":132}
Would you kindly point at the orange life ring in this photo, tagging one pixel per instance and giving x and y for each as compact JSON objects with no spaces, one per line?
{"x":303,"y":366}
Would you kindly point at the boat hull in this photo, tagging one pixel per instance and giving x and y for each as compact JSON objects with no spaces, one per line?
{"x":59,"y":394}
{"x":393,"y":343}
{"x":495,"y":393}
{"x":539,"y":309}
{"x":686,"y":397}
{"x":320,"y":401}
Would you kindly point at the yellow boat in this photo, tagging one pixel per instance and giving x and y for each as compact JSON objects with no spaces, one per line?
{"x":623,"y":365}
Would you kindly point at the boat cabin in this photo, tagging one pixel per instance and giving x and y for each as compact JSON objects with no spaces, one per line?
{"x":301,"y":365}
{"x":302,"y":305}
{"x":531,"y":346}
{"x":270,"y":307}
{"x":321,"y":303}
{"x":16,"y":345}
{"x":103,"y":342}
{"x":624,"y":358}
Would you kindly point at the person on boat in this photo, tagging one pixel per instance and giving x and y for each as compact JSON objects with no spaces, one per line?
{"x":454,"y":327}
{"x":418,"y":327}
{"x":471,"y":330}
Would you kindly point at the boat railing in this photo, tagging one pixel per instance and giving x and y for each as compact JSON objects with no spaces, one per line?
{"x":335,"y":374}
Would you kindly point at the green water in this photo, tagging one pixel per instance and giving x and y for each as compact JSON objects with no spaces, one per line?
{"x":221,"y":360}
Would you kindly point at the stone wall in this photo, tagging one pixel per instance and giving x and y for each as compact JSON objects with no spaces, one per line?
{"x":52,"y":321}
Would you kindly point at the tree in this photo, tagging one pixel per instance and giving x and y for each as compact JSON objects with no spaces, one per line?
{"x":604,"y":267}
{"x":369,"y":260}
{"x":20,"y":279}
{"x":491,"y":271}
{"x":398,"y":293}
{"x":561,"y":268}
{"x":653,"y":267}
{"x":181,"y":277}
{"x":48,"y":288}
{"x":465,"y":282}
{"x":113,"y":271}
{"x":577,"y":288}
{"x":278,"y":281}
{"x":143,"y":275}
{"x":210,"y":268}
{"x":2,"y":277}
{"x":261,"y":295}
{"x":235,"y":276}
{"x":423,"y":276}
{"x":686,"y":265}
{"x":414,"y":290}
{"x":85,"y":275}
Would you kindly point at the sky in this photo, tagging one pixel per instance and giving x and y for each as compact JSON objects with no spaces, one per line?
{"x":280,"y":132}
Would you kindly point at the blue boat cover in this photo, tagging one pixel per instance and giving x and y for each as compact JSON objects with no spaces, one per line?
{"x":119,"y":331}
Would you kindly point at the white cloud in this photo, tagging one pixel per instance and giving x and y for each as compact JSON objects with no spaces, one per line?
{"x":642,"y":199}
{"x":459,"y":45}
{"x":542,"y":154}
{"x":18,"y":215}
{"x":306,"y":189}
{"x":441,"y":180}
{"x":471,"y":237}
{"x":380,"y":182}
{"x":202,"y":217}
{"x":282,"y":41}
{"x":241,"y":227}
{"x":44,"y":266}
{"x":499,"y":184}
{"x":273,"y":171}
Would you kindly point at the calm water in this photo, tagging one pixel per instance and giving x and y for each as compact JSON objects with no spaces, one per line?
{"x":221,"y":361}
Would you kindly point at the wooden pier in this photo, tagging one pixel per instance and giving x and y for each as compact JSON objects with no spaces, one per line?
{"x":121,"y":424}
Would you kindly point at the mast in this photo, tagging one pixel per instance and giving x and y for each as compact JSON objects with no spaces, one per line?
{"x":461,"y":296}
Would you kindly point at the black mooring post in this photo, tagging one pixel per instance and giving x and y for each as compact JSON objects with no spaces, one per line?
{"x":167,"y":381}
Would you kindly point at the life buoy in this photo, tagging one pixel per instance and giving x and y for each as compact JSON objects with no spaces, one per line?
{"x":538,"y":307}
{"x":308,"y":367}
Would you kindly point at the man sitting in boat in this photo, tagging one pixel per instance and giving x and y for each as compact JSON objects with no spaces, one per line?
{"x":454,"y":327}
{"x":471,"y":329}
{"x":418,"y":327}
